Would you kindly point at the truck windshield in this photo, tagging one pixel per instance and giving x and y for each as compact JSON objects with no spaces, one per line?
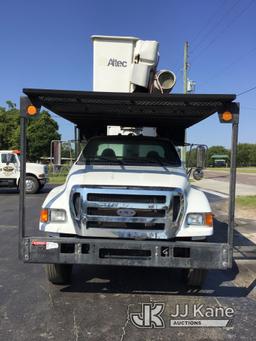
{"x":130,"y":150}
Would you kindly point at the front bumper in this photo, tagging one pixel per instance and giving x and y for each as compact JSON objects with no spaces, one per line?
{"x":178,"y":254}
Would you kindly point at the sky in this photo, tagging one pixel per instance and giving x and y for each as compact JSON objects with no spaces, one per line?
{"x":46,"y":44}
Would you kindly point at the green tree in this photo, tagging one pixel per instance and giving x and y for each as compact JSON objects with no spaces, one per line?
{"x":40,"y":132}
{"x":246,"y":154}
{"x":216,"y":150}
{"x":9,"y":122}
{"x":191,"y":157}
{"x":67,"y":150}
{"x":10,"y":104}
{"x":253,"y":155}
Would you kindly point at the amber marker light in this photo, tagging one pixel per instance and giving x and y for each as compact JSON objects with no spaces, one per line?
{"x":208,"y":219}
{"x":31,"y":110}
{"x":44,"y":215}
{"x":227,"y":116}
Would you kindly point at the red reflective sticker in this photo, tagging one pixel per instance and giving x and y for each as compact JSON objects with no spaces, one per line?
{"x":38,"y":243}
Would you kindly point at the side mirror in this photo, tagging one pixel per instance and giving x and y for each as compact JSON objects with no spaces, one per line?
{"x":198,"y":174}
{"x":201,"y":156}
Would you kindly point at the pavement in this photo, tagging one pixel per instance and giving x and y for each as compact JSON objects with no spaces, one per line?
{"x":218,"y":181}
{"x":98,"y":303}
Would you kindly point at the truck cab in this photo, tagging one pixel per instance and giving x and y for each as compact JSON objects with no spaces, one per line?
{"x":36,"y":174}
{"x":131,"y":187}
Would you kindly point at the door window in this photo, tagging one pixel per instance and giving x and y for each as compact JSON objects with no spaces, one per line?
{"x":8,"y":157}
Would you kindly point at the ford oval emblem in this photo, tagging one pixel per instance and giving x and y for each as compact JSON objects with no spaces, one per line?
{"x":126,"y":212}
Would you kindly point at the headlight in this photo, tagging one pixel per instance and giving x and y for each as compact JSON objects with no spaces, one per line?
{"x":57,"y":215}
{"x":195,"y":219}
{"x":200,"y":219}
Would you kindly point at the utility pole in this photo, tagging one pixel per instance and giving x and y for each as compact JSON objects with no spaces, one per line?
{"x":185,"y":84}
{"x":185,"y":68}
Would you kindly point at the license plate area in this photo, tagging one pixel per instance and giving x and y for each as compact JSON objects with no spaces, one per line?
{"x":124,"y":253}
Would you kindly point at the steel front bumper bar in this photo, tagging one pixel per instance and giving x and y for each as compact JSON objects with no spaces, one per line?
{"x":147,"y":253}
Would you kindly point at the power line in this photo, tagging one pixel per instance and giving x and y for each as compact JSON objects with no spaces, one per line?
{"x":225,"y":28}
{"x":204,"y":27}
{"x":208,"y":32}
{"x":229,"y":66}
{"x":246,"y":91}
{"x":204,"y":30}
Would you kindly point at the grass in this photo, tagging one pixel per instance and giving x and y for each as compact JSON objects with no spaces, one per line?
{"x":246,"y":201}
{"x":239,"y":170}
{"x":57,"y":179}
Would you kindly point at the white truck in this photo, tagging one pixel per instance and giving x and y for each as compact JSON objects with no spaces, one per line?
{"x":36,"y":174}
{"x":127,"y":199}
{"x":127,"y":187}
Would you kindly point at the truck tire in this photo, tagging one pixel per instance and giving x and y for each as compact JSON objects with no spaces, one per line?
{"x":31,"y":185}
{"x":194,"y":278}
{"x":59,"y":273}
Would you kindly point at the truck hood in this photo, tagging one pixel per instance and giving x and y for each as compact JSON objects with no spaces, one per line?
{"x":35,"y":167}
{"x":159,"y":176}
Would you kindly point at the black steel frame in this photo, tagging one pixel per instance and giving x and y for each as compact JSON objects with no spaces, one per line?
{"x":154,"y":253}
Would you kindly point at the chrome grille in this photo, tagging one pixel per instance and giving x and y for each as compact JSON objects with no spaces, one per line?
{"x":97,"y":211}
{"x":147,"y":199}
{"x":120,"y":225}
{"x":106,"y":208}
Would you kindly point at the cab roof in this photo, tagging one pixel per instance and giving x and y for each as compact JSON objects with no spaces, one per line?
{"x":92,"y":112}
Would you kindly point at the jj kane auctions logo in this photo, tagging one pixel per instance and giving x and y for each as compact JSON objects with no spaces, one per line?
{"x":196,"y":315}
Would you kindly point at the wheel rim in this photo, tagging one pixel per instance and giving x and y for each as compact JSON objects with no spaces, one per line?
{"x":29,"y":185}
